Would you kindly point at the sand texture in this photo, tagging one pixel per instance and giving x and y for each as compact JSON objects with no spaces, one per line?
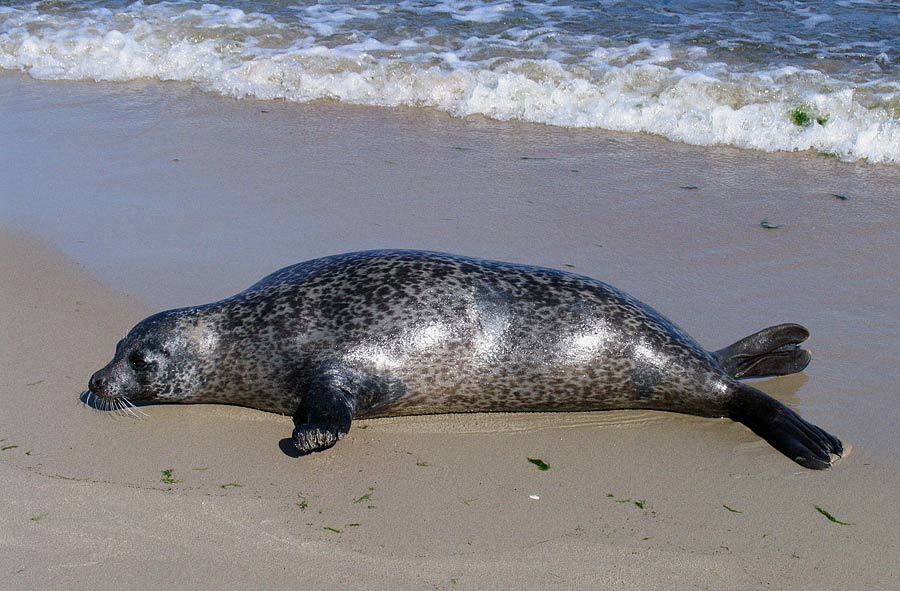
{"x":119,"y":201}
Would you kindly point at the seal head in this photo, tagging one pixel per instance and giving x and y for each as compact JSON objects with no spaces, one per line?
{"x":158,"y":360}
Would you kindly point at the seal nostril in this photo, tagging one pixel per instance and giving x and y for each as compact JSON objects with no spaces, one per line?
{"x":96,"y":383}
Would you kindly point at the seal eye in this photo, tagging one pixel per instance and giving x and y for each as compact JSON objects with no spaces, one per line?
{"x":137,"y":362}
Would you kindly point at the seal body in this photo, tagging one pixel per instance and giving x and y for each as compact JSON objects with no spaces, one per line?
{"x":386,"y":333}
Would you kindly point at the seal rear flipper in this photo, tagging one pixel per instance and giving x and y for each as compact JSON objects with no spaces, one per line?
{"x":808,"y":445}
{"x":773,"y":351}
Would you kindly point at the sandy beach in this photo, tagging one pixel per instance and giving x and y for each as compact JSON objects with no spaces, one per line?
{"x":121,"y":200}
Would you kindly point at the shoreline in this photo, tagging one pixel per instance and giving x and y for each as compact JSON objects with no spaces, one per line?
{"x":126,"y":199}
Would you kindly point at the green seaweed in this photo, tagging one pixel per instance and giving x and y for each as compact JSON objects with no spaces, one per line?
{"x":840,"y":196}
{"x":230,"y":485}
{"x":200,"y":468}
{"x":765,"y":223}
{"x":303,"y":504}
{"x":167,"y":477}
{"x":689,"y":188}
{"x":803,"y":118}
{"x":365,"y":497}
{"x":352,"y":525}
{"x":641,"y":504}
{"x":569,"y":265}
{"x":800,"y":117}
{"x":39,"y":517}
{"x":423,"y":464}
{"x":326,"y":528}
{"x":831,"y":517}
{"x":732,"y":510}
{"x":6,"y":447}
{"x":541,"y":464}
{"x":362,"y":426}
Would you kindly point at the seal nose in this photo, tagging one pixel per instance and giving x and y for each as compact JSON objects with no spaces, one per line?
{"x":97,"y":383}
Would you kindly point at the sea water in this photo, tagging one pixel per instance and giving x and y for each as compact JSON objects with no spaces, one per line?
{"x":759,"y":74}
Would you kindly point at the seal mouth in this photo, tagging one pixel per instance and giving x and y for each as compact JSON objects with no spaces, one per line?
{"x":117,"y":405}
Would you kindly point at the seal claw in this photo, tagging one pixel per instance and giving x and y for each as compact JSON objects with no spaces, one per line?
{"x":311,"y":438}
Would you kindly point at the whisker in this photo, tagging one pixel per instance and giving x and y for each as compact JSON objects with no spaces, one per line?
{"x":126,"y":411}
{"x":134,"y":410}
{"x":117,"y":407}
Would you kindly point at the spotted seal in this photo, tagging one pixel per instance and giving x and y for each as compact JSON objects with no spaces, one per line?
{"x":395,"y":332}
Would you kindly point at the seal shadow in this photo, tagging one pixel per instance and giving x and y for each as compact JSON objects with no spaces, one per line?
{"x":289,"y":449}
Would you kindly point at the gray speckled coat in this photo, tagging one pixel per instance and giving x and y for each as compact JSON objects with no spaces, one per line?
{"x":383,"y":333}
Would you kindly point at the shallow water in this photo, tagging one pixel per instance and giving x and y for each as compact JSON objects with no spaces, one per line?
{"x":758,"y":74}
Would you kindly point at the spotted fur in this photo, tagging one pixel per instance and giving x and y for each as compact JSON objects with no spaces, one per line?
{"x":385,"y":333}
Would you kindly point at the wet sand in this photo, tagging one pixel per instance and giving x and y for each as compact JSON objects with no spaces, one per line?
{"x":120,"y":200}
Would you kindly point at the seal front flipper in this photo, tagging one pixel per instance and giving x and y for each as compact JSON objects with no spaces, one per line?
{"x":805,"y":443}
{"x":773,"y":351}
{"x":325,"y":414}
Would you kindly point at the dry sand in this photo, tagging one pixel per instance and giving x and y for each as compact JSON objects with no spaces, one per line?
{"x":121,"y":200}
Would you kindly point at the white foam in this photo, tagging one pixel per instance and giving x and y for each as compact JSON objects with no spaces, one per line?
{"x":476,"y":12}
{"x":652,"y":87}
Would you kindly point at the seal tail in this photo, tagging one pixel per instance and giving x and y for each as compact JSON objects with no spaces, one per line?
{"x":808,"y":445}
{"x":773,"y":351}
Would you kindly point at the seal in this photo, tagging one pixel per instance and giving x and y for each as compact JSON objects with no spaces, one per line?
{"x":399,"y":332}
